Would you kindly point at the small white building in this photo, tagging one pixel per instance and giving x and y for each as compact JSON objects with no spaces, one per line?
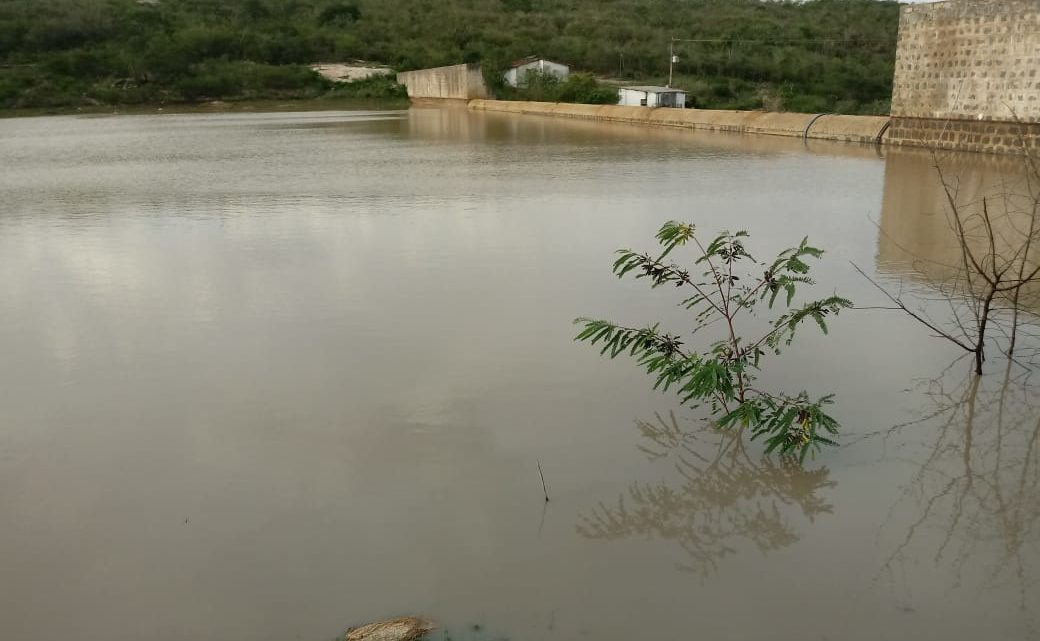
{"x":651,"y":97}
{"x":520,"y":68}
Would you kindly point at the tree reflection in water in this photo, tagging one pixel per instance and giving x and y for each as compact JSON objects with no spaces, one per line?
{"x":975,"y":494}
{"x":721,"y":500}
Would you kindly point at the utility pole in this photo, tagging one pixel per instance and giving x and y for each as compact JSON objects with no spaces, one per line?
{"x":671,"y":61}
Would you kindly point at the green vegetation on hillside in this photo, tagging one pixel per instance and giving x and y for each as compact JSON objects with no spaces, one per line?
{"x":546,"y":87}
{"x":821,"y":55}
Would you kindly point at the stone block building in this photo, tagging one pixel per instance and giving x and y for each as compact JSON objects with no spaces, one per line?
{"x":967,"y":75}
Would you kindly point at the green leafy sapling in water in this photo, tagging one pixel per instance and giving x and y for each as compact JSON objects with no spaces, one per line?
{"x":723,"y":375}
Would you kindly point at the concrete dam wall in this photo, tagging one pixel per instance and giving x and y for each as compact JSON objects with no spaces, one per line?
{"x":457,"y":82}
{"x":967,"y":76}
{"x":865,"y":129}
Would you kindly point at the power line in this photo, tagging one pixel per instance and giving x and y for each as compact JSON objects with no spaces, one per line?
{"x":783,"y":40}
{"x":672,"y":58}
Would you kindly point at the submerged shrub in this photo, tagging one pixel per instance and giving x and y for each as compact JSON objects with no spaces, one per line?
{"x":723,"y":374}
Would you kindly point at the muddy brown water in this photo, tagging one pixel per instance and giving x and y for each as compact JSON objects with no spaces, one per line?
{"x":266,"y":376}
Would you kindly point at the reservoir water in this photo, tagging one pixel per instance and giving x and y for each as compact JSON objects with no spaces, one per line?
{"x":266,"y":376}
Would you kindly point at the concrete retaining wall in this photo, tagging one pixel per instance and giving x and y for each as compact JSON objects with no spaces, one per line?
{"x":868,"y":129}
{"x":457,"y":82}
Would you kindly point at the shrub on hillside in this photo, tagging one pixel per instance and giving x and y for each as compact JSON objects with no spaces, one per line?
{"x":383,"y":87}
{"x":547,"y":87}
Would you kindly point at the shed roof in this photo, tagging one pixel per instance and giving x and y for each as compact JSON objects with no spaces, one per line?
{"x":653,"y":89}
{"x":529,"y":59}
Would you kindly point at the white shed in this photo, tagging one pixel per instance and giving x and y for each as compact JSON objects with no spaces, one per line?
{"x":520,"y":68}
{"x":651,"y":97}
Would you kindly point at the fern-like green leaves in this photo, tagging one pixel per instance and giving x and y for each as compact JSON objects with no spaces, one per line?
{"x":722,"y":374}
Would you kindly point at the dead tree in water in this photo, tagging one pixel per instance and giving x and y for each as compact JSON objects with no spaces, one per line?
{"x":975,"y":495}
{"x":999,"y":261}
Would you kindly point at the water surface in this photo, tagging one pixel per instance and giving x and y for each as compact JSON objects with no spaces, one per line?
{"x":266,"y":376}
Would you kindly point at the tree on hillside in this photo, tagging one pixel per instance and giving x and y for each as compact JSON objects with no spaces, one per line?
{"x":820,"y":55}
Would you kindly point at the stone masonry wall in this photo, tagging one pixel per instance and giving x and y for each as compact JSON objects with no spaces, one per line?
{"x":965,"y":135}
{"x":969,"y":59}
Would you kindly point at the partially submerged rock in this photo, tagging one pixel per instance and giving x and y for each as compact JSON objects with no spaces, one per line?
{"x":401,"y":629}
